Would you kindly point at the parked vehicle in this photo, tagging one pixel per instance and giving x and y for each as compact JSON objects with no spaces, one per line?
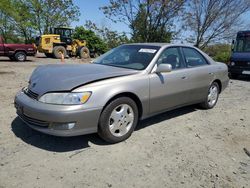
{"x":16,"y":52}
{"x":60,"y":42}
{"x":127,"y":84}
{"x":240,"y":58}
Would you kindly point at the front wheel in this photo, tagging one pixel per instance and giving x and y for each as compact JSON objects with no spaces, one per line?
{"x":59,"y":51}
{"x":212,"y":96}
{"x":118,"y":120}
{"x":20,"y":56}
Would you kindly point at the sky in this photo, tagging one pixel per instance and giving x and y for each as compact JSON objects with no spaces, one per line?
{"x":90,"y":11}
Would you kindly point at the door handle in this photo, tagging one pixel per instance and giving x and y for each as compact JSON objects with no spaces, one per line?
{"x":183,"y":77}
{"x":211,"y":73}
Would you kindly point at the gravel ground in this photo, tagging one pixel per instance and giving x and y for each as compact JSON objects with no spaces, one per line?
{"x":187,"y":147}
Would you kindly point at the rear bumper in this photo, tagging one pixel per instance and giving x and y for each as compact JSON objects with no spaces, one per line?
{"x":53,"y":119}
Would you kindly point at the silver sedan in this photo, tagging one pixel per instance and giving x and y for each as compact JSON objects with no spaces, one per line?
{"x":111,"y":94}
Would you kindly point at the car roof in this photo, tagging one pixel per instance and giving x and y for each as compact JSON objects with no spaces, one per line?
{"x":160,"y":44}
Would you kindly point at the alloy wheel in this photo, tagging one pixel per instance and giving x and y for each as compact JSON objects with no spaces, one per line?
{"x":121,"y":120}
{"x":213,"y":95}
{"x":21,"y":57}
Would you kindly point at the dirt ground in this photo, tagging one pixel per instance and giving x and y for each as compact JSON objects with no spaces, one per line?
{"x":188,"y":147}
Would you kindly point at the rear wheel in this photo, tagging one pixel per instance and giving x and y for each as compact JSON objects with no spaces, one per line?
{"x":118,"y":120}
{"x":84,"y":53}
{"x":20,"y":56}
{"x":212,"y":96}
{"x":58,"y":51}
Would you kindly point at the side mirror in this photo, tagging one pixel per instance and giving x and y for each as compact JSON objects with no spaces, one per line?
{"x":164,"y":68}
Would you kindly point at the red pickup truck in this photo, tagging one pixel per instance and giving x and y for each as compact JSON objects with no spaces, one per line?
{"x":17,"y":52}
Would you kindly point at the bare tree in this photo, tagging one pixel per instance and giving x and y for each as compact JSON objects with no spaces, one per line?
{"x":149,"y":20}
{"x":214,"y":20}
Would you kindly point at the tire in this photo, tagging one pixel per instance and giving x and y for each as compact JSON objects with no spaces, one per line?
{"x":233,"y":76}
{"x":58,"y":50}
{"x":84,"y":53}
{"x":48,"y":55}
{"x":20,"y":56}
{"x":212,"y":96}
{"x":115,"y":124}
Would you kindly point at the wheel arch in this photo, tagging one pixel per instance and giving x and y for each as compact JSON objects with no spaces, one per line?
{"x":130,"y":95}
{"x":20,"y":50}
{"x":219,"y":83}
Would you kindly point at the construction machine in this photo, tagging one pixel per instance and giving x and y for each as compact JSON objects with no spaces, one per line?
{"x":60,"y":43}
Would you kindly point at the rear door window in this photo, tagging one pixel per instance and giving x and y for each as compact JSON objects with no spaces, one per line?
{"x":193,"y":57}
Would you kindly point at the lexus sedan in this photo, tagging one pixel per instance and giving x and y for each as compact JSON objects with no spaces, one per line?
{"x":127,"y":84}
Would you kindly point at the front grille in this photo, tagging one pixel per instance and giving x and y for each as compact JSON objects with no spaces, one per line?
{"x":33,"y":121}
{"x":242,"y":64}
{"x":31,"y":94}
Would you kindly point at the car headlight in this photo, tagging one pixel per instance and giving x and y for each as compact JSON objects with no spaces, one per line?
{"x":66,"y":98}
{"x":232,"y":63}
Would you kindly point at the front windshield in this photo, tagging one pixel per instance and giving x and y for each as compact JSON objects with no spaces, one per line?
{"x":243,"y":44}
{"x":135,"y":57}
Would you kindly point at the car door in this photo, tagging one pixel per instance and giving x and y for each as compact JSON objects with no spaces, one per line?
{"x":169,"y":90}
{"x":199,"y":74}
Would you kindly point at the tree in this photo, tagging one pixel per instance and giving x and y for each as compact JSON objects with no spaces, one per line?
{"x":7,"y":25}
{"x":111,"y":38}
{"x":22,"y":19}
{"x":94,"y":42}
{"x":27,"y":18}
{"x":214,"y":20}
{"x":144,"y":30}
{"x":149,"y":20}
{"x":19,"y":15}
{"x":47,"y":14}
{"x":219,"y":52}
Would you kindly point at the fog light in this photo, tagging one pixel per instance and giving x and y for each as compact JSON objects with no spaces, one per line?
{"x":63,"y":126}
{"x":71,"y":125}
{"x":232,"y":63}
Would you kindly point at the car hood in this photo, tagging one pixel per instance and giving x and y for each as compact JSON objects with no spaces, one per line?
{"x":65,"y":77}
{"x":240,"y":56}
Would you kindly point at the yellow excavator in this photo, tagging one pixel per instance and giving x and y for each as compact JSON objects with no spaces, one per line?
{"x":60,"y":43}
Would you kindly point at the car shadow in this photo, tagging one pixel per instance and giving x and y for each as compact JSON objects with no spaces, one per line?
{"x":8,"y":60}
{"x":242,"y":78}
{"x":44,"y":57}
{"x":66,"y":144}
{"x":52,"y":143}
{"x":165,"y":116}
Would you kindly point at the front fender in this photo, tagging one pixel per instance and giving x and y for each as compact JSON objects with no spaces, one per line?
{"x":104,"y":91}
